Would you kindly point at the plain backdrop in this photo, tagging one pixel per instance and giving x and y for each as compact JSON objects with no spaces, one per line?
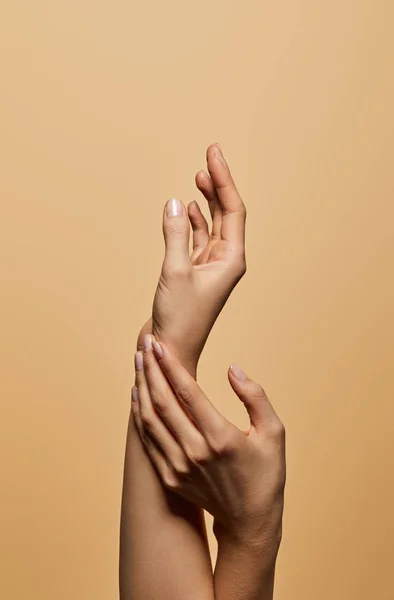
{"x":106,"y":110}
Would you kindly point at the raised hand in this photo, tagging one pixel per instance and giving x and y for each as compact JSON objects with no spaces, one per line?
{"x":193,"y":288}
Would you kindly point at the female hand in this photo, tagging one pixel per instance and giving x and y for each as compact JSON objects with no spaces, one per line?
{"x":237,"y":476}
{"x":192,"y":289}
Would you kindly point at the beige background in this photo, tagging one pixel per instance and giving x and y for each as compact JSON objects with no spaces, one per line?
{"x":106,"y":110}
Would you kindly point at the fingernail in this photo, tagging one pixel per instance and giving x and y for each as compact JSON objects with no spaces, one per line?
{"x":158,"y":350}
{"x":134,"y":394}
{"x":219,"y":154}
{"x":238,"y":372}
{"x":174,"y":208}
{"x":139,"y":361}
{"x":148,"y":343}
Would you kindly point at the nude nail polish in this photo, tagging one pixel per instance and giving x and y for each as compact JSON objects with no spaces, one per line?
{"x":157,"y":349}
{"x":174,"y":208}
{"x":219,"y":154}
{"x":238,"y":372}
{"x":138,"y":361}
{"x":148,"y":343}
{"x":134,"y":394}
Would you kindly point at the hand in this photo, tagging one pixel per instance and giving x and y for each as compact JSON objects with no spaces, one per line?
{"x":237,"y":476}
{"x":193,"y":289}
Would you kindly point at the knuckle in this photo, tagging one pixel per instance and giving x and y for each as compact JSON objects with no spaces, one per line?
{"x":185,"y":396}
{"x":147,"y":360}
{"x":170,"y":481}
{"x":201,"y":457}
{"x":142,"y":434}
{"x":147,"y":421}
{"x":256,"y":392}
{"x":229,"y":448}
{"x":158,"y":401}
{"x":181,"y":469}
{"x":223,"y":445}
{"x":176,"y":271}
{"x":216,"y":446}
{"x":177,"y":227}
{"x":242,"y":209}
{"x":145,"y":440}
{"x":277,"y":430}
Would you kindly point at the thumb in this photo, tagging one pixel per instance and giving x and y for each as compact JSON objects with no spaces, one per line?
{"x":253,"y":396}
{"x":176,"y":230}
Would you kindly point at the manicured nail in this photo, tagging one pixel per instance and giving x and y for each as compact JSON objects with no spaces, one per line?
{"x":139,"y":361}
{"x":134,"y":394}
{"x":174,"y":208}
{"x":219,"y":154}
{"x":238,"y":372}
{"x":148,"y":342}
{"x":158,"y":350}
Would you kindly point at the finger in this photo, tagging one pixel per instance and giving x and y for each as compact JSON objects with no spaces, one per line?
{"x":199,"y":226}
{"x":151,"y":426}
{"x":233,"y":208}
{"x":176,"y":230}
{"x":147,"y":328}
{"x":207,"y":418}
{"x":166,"y":405}
{"x":260,"y":409}
{"x":154,"y":453}
{"x":207,"y":188}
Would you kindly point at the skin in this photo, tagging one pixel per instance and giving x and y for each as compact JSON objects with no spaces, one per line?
{"x":193,"y":289}
{"x":237,"y":476}
{"x":163,"y":547}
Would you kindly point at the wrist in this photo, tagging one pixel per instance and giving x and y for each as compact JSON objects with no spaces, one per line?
{"x":189,"y":362}
{"x":189,"y":359}
{"x":253,"y":541}
{"x":244,"y":563}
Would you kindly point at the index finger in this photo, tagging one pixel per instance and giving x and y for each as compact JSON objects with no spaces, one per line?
{"x":233,"y":208}
{"x":193,"y":400}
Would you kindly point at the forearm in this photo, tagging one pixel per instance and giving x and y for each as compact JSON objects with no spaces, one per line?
{"x":163,"y":548}
{"x":244,"y":570}
{"x":168,"y":526}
